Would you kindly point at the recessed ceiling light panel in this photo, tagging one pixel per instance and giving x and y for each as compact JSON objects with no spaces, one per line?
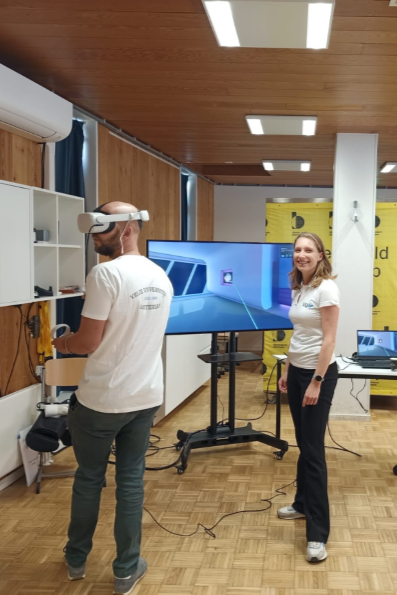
{"x":271,"y":23}
{"x":285,"y":125}
{"x":278,"y":165}
{"x":255,"y":125}
{"x":389,"y":167}
{"x":222,"y":21}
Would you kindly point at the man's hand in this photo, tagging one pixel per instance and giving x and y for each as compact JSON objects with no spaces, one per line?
{"x":59,"y":344}
{"x":312,"y":393}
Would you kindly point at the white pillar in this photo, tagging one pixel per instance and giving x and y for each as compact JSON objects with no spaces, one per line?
{"x":353,"y":255}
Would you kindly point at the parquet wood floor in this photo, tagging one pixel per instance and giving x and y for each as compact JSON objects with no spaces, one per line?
{"x":253,"y":554}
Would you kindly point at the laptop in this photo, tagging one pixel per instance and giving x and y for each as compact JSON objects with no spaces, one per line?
{"x":375,"y":348}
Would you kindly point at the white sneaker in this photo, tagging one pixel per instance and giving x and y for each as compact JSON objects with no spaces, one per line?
{"x":289,"y":513}
{"x":316,"y":551}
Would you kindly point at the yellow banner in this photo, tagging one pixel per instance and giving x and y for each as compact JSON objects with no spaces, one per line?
{"x":384,"y":313}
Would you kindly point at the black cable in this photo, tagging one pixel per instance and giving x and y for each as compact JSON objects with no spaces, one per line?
{"x":356,"y":396}
{"x":27,"y":341}
{"x":18,"y":346}
{"x":349,"y":363}
{"x":222,"y":422}
{"x":157,"y":449}
{"x":210,"y":530}
{"x":339,"y":445}
{"x":267,"y":400}
{"x":175,"y":463}
{"x":223,"y":407}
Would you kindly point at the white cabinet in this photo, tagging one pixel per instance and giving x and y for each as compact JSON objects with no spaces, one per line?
{"x":16,"y":235}
{"x":24,"y":264}
{"x":184,"y":372}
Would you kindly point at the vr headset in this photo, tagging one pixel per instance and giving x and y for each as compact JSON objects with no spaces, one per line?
{"x":101,"y":222}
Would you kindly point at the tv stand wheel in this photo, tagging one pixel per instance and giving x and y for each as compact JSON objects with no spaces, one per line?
{"x":271,"y":400}
{"x":179,"y":446}
{"x":181,"y":470}
{"x":279,"y":454}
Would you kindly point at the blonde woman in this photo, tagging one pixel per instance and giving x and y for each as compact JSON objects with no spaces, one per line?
{"x":310,"y":378}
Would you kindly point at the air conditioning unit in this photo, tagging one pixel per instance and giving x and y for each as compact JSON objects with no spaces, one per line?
{"x":32,"y":111}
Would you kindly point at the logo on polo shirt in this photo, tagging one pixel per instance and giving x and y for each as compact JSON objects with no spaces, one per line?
{"x":308,"y":305}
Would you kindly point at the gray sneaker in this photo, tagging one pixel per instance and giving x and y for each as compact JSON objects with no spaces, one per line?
{"x":316,"y":551}
{"x":124,"y":586}
{"x":289,"y":513}
{"x":75,"y":574}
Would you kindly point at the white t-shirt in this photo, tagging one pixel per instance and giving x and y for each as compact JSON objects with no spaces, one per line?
{"x":305,"y":315}
{"x":125,"y":372}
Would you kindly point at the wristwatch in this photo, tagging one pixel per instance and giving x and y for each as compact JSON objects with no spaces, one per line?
{"x":318,"y":378}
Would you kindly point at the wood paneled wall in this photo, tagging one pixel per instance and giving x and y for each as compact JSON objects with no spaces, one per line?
{"x":20,"y":162}
{"x":20,"y":159}
{"x":132,"y":175}
{"x":205,"y":210}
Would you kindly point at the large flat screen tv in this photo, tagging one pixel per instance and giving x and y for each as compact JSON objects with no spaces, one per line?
{"x":225,"y":286}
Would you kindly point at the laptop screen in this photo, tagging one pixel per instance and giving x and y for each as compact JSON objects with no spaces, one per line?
{"x":377,"y":344}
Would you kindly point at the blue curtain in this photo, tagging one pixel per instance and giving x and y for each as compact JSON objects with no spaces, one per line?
{"x":69,"y":176}
{"x":69,"y":179}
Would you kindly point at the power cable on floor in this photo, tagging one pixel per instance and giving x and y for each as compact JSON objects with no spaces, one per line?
{"x":210,"y":530}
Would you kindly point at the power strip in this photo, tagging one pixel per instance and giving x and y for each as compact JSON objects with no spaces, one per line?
{"x":34,"y":326}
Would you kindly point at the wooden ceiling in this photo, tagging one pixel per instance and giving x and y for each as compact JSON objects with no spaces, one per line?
{"x":153,"y":68}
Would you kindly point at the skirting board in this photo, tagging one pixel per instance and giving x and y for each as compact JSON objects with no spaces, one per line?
{"x":347,"y":417}
{"x":17,"y":412}
{"x":11,"y":478}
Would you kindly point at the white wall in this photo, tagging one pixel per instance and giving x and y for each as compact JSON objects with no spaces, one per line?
{"x":239,"y":214}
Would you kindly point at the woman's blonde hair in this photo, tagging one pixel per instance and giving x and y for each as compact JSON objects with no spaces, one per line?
{"x":324,"y":268}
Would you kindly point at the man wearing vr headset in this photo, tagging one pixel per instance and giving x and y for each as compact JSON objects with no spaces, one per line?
{"x":122,"y":328}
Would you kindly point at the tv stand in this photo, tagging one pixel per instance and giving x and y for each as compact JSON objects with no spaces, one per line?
{"x":221,"y":435}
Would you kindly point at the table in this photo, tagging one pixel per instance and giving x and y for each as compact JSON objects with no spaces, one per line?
{"x":347,"y":368}
{"x":354,"y":370}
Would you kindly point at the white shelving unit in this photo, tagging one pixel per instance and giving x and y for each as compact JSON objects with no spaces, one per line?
{"x":25,"y":264}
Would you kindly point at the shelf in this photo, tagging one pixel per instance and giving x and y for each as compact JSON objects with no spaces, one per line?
{"x":239,"y":356}
{"x":69,"y":246}
{"x":59,"y":262}
{"x":45,"y":213}
{"x":49,"y":245}
{"x":71,"y":266}
{"x":68,"y":211}
{"x":45,"y":268}
{"x":59,"y":296}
